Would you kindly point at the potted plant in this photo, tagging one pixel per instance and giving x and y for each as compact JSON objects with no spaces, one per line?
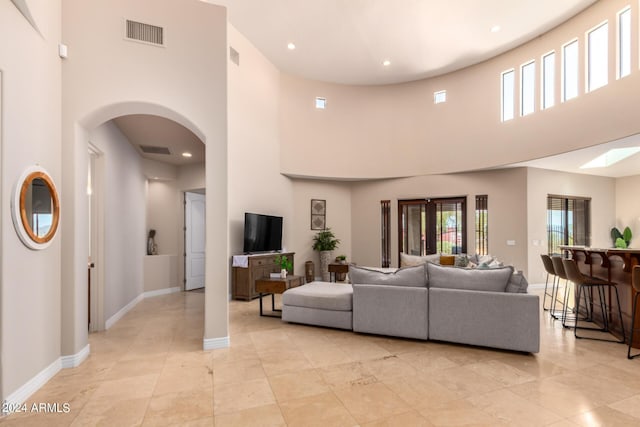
{"x":621,"y":240}
{"x":342,"y":259}
{"x":325,"y":242}
{"x":285,"y":265}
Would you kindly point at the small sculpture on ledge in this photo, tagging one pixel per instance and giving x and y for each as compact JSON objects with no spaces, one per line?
{"x":152,"y":248}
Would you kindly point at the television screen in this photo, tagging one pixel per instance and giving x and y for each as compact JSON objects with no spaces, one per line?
{"x":262,"y":233}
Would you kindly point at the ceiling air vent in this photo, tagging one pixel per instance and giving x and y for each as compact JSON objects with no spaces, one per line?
{"x":152,"y":149}
{"x":144,"y":33}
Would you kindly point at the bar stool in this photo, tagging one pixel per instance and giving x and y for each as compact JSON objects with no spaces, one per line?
{"x":548,"y":266}
{"x":558,"y":268}
{"x":585,"y":283}
{"x":635,"y":282}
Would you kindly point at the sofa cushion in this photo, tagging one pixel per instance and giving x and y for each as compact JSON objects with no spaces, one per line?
{"x":321,"y":295}
{"x":407,"y":276}
{"x":494,"y":280}
{"x":407,"y":260}
{"x":517,"y":283}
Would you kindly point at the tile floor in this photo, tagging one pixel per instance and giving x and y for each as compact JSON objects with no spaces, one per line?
{"x":149,"y":370}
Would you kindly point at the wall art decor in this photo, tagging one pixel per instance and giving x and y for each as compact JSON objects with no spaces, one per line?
{"x":318,"y":214}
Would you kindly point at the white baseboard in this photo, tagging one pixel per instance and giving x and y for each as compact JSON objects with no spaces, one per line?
{"x":158,"y":292}
{"x":124,"y":310}
{"x":74,"y":360}
{"x":215,"y":343}
{"x":27,"y":389}
{"x":149,"y":294}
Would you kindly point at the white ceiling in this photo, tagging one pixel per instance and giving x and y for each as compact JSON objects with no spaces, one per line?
{"x":346,"y":41}
{"x":143,"y":129}
{"x":571,"y":162}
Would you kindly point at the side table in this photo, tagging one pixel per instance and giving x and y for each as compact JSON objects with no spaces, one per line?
{"x":337,"y":268}
{"x":266,"y":286}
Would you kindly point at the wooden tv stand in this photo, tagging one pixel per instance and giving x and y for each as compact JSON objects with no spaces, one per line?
{"x":243,"y":280}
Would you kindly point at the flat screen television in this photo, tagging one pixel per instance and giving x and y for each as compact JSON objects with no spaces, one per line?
{"x":262,"y":233}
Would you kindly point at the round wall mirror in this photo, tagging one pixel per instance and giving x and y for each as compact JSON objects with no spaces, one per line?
{"x":35,"y":208}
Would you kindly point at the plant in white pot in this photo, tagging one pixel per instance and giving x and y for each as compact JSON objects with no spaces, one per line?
{"x":285,"y":265}
{"x":325,"y":242}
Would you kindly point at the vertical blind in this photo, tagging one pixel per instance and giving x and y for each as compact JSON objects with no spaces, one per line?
{"x":568,"y":222}
{"x":385,"y":216}
{"x":482,"y":225}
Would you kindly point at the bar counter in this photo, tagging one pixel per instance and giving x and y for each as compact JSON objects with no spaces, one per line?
{"x":614,"y":265}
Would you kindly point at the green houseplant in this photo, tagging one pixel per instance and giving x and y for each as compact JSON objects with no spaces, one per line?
{"x":621,"y":240}
{"x":285,"y":265}
{"x":325,"y":242}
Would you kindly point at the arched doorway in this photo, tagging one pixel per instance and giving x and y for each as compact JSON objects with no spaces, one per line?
{"x":139,"y":167}
{"x":76,"y":225}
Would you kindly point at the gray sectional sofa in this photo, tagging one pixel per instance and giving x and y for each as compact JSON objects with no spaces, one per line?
{"x":488,"y":307}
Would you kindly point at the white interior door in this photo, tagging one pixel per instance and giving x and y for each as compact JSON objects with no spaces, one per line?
{"x":194,"y":242}
{"x":95,"y":190}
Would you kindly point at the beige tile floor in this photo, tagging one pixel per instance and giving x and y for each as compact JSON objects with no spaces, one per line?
{"x":149,"y":370}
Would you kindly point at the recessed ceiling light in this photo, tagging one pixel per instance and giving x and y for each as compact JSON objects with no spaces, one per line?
{"x":291,"y":46}
{"x":495,"y":28}
{"x":386,"y":62}
{"x":611,"y":157}
{"x":186,"y":154}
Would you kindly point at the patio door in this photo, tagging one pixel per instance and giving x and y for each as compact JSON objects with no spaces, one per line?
{"x":429,"y":226}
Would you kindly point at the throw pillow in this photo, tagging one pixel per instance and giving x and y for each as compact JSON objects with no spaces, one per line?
{"x":407,"y":276}
{"x":494,"y":280}
{"x":407,"y":260}
{"x":495,"y":263}
{"x":517,"y":284}
{"x":447,"y":260}
{"x":462,"y":260}
{"x":484,"y":259}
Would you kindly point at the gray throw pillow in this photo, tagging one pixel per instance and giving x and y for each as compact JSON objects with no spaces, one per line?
{"x":462,"y":260}
{"x":493,"y":280}
{"x":407,"y":276}
{"x":517,"y":284}
{"x":407,"y":260}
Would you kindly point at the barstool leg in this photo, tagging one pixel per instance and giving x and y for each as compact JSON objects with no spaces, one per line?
{"x":544,"y":298}
{"x":633,"y":318}
{"x":565,"y":309}
{"x":556,"y":288}
{"x":620,"y":315}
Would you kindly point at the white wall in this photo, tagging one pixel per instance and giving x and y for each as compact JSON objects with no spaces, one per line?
{"x":106,"y":76}
{"x":31,"y":108}
{"x":401,"y":124}
{"x":163,"y":215}
{"x":628,"y":207}
{"x":125,"y":196}
{"x":541,"y":183}
{"x":165,"y":211}
{"x":339,"y":218}
{"x":255,"y":182}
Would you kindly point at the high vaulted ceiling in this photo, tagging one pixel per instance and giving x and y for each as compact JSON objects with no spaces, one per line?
{"x":346,"y":41}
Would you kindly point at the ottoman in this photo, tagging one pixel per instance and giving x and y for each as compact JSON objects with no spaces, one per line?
{"x":320,"y":304}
